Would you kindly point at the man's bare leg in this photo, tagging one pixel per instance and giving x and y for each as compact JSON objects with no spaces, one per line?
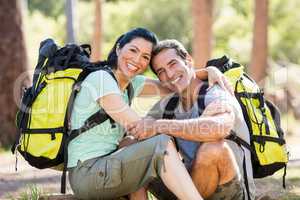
{"x":214,"y":165}
{"x":141,"y":194}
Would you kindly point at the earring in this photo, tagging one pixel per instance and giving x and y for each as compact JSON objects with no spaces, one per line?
{"x":118,"y":49}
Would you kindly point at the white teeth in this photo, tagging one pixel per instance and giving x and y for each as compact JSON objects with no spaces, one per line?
{"x":131,"y":67}
{"x":174,"y":81}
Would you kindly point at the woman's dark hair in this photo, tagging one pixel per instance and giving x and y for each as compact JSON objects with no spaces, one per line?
{"x":112,"y":58}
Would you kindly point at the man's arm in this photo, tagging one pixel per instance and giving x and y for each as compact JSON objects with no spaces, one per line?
{"x":204,"y":129}
{"x":214,"y":124}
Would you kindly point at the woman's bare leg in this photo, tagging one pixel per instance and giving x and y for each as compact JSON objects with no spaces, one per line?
{"x":176,"y":177}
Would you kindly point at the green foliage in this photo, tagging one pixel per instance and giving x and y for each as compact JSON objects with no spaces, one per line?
{"x":48,"y":8}
{"x":85,"y":20}
{"x":173,"y":22}
{"x":243,"y":8}
{"x":39,"y":27}
{"x":232,"y":28}
{"x":31,"y":193}
{"x":284,"y":30}
{"x":168,"y":19}
{"x":233,"y":25}
{"x":232,"y":36}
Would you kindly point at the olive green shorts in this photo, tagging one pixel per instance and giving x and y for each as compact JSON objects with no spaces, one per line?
{"x":121,"y":172}
{"x":233,"y":190}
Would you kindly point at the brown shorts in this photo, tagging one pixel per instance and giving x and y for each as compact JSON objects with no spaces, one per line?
{"x":121,"y":172}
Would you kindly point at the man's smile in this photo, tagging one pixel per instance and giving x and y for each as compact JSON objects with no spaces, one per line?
{"x":174,"y":81}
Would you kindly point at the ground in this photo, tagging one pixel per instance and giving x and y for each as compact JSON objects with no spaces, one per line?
{"x":28,"y":180}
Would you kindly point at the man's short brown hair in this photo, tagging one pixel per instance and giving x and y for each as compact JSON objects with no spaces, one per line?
{"x":168,"y":44}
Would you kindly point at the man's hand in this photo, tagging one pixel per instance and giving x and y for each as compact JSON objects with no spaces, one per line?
{"x":216,"y":107}
{"x":223,"y":115}
{"x":215,"y":76}
{"x":143,"y":129}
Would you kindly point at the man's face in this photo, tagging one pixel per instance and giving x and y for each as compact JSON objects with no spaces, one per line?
{"x":173,"y":71}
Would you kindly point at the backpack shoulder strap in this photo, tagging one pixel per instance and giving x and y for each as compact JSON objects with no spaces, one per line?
{"x":101,"y":116}
{"x":130,"y":93}
{"x":173,"y":103}
{"x":130,"y":90}
{"x":170,"y":107}
{"x":242,"y":143}
{"x":201,"y":97}
{"x":169,"y":112}
{"x":233,"y":137}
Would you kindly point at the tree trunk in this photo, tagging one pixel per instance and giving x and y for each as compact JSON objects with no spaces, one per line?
{"x":13,"y":66}
{"x":202,"y":11}
{"x":259,"y":54}
{"x":97,"y":36}
{"x":70,"y":4}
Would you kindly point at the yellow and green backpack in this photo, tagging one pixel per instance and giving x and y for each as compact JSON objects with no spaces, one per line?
{"x":43,"y":119}
{"x":267,"y":142}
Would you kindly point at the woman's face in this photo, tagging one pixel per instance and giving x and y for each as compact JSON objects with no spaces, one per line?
{"x":134,"y":57}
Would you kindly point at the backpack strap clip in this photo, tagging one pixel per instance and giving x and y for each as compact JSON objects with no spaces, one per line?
{"x":77,"y":86}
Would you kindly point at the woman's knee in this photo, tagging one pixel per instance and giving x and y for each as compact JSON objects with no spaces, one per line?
{"x":163,"y":142}
{"x":170,"y":143}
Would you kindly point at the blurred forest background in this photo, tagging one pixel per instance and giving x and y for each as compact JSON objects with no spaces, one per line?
{"x":263,"y":35}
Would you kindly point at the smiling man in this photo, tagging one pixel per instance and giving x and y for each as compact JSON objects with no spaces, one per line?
{"x":199,"y":134}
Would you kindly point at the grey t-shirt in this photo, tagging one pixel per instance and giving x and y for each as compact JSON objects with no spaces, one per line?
{"x":188,"y":149}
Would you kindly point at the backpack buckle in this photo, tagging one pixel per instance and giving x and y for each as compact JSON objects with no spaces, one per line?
{"x":77,"y":87}
{"x":232,"y":135}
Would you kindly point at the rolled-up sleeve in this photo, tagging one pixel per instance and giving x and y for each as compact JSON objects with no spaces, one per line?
{"x":217,"y":93}
{"x":100,"y":84}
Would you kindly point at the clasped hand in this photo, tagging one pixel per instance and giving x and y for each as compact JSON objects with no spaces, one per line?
{"x":143,"y":129}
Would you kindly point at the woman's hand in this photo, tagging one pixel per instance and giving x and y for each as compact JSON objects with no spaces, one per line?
{"x":143,"y":129}
{"x":215,"y":76}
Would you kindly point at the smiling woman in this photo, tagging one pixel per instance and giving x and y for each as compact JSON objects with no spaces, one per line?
{"x":97,"y":170}
{"x":134,"y":57}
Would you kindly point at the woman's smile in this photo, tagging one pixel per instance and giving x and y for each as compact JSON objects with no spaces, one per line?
{"x":132,"y":67}
{"x":134,"y":57}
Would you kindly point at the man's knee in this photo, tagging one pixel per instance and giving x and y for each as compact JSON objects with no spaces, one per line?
{"x":212,"y":152}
